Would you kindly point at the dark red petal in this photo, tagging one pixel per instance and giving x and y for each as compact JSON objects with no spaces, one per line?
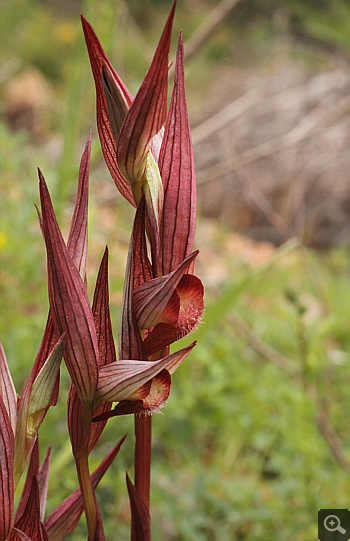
{"x":140,"y":519}
{"x":7,"y":444}
{"x":70,"y":307}
{"x":98,"y":58}
{"x":176,"y":166}
{"x":151,"y":298}
{"x":66,"y":516}
{"x":148,"y":111}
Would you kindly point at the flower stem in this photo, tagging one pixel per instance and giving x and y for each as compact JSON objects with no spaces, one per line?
{"x":87,"y":493}
{"x":143,"y":435}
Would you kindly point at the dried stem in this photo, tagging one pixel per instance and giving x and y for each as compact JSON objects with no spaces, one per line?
{"x":143,"y":435}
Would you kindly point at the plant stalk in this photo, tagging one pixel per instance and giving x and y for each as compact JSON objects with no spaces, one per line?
{"x":143,"y":437}
{"x":87,"y":492}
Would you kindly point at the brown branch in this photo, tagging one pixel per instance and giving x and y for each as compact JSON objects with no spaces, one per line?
{"x":312,"y":123}
{"x":206,"y":29}
{"x":225,"y":115}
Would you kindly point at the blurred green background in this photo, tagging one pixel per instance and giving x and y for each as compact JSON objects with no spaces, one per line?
{"x":255,"y":437}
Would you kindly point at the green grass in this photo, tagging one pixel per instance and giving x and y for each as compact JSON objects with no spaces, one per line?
{"x":237,"y":453}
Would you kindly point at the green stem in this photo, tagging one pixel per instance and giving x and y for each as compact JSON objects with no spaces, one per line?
{"x":143,"y":435}
{"x":87,"y":492}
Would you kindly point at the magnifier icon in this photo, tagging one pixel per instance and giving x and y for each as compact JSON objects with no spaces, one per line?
{"x":332,"y":524}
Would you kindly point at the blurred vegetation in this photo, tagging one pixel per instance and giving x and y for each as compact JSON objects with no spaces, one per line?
{"x":242,"y":451}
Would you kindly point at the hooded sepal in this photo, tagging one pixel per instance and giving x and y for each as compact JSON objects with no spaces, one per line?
{"x":99,"y":60}
{"x":176,"y":165}
{"x":70,"y":307}
{"x":77,"y":248}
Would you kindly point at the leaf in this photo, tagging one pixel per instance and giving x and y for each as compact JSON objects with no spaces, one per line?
{"x":7,"y":390}
{"x":6,"y":471}
{"x":78,"y":234}
{"x":130,"y":343}
{"x":176,"y":165}
{"x":106,"y":347}
{"x":140,"y":519}
{"x":33,"y":469}
{"x":142,"y":271}
{"x":43,"y":386}
{"x":17,"y":535}
{"x":29,"y":522}
{"x":43,"y":482}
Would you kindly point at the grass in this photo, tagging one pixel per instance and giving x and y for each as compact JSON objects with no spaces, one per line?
{"x":238,"y":453}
